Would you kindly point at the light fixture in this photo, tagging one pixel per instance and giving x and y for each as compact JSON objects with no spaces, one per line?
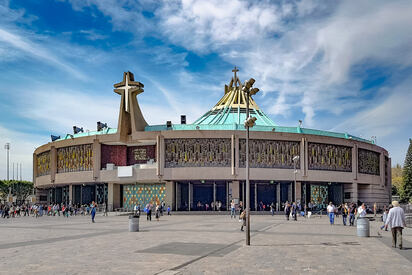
{"x":254,"y":91}
{"x":101,"y":126}
{"x":77,"y":130}
{"x":250,"y":122}
{"x":54,"y":138}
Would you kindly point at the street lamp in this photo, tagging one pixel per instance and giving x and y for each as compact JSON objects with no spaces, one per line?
{"x":249,"y":122}
{"x":295,"y":160}
{"x":7,"y":147}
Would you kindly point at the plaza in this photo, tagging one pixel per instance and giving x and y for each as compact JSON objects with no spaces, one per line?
{"x":196,"y":244}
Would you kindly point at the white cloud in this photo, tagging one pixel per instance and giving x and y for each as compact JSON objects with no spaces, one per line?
{"x":32,"y":49}
{"x":21,"y":151}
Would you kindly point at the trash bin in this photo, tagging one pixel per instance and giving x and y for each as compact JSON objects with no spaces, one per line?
{"x":362,"y":227}
{"x":133,"y":223}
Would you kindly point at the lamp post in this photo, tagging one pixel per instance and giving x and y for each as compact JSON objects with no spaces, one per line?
{"x":295,"y":160}
{"x":249,"y":122}
{"x":7,"y":147}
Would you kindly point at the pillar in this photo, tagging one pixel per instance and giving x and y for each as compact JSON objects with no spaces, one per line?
{"x":214,"y":195}
{"x":290,"y":192}
{"x":113,"y":196}
{"x":170,"y":194}
{"x":278,"y":202}
{"x":235,"y":190}
{"x":71,"y":193}
{"x":243,"y":194}
{"x":233,"y":155}
{"x":190,"y":193}
{"x":256,"y":202}
{"x":53,"y":163}
{"x":354,"y":193}
{"x":298,"y":191}
{"x":96,"y":159}
{"x":177,"y":194}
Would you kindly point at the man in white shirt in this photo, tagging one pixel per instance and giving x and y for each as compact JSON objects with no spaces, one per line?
{"x":396,"y":220}
{"x":362,"y":211}
{"x":331,"y":212}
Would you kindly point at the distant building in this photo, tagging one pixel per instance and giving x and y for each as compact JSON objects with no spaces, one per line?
{"x":193,"y":165}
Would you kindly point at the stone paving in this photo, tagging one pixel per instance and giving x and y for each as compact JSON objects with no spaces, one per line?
{"x":196,"y":245}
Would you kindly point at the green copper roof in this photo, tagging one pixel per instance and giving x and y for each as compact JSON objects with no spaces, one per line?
{"x":257,"y":128}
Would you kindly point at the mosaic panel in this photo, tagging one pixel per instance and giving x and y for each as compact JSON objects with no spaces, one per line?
{"x":101,"y":193}
{"x":75,"y":158}
{"x":43,"y":164}
{"x":143,"y":194}
{"x":329,"y":157}
{"x":368,"y":162}
{"x":319,"y":195}
{"x":269,"y":153}
{"x":141,"y":154}
{"x":198,"y":152}
{"x":115,"y":154}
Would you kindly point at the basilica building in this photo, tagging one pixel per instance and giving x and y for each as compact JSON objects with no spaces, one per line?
{"x":195,"y":166}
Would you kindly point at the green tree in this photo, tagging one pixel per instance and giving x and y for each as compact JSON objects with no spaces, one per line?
{"x":4,"y":190}
{"x":21,"y":189}
{"x":397,"y":180}
{"x":406,"y":193}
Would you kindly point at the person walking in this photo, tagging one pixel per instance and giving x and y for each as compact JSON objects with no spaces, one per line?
{"x":287,"y":210}
{"x":232,"y":209}
{"x":384,"y":217}
{"x":242,"y":216}
{"x":331,"y":213}
{"x":93,"y":210}
{"x":157,"y":212}
{"x":149,"y":212}
{"x":351,"y":211}
{"x":294,"y":210}
{"x":272,"y":208}
{"x":345,"y":211}
{"x":375,"y":208}
{"x":396,"y":220}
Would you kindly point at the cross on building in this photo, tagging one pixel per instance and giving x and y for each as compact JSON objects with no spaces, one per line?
{"x":235,"y":70}
{"x":128,"y":86}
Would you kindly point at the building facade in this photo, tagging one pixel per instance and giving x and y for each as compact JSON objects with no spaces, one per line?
{"x":194,"y":166}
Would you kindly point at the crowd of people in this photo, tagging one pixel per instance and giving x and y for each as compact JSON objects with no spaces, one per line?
{"x":39,"y":210}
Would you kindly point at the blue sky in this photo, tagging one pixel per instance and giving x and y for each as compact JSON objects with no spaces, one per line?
{"x":337,"y":65}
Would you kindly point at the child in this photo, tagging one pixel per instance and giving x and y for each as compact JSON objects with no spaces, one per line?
{"x":168,"y":210}
{"x":385,"y":215}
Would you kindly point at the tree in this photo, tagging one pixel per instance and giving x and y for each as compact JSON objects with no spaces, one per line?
{"x":406,"y":193}
{"x":397,"y":180}
{"x":4,"y":190}
{"x":21,"y":189}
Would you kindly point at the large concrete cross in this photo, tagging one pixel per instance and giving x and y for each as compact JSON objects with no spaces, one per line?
{"x":128,"y":86}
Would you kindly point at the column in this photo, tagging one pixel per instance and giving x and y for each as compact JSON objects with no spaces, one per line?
{"x":170,"y":194}
{"x":177,"y":196}
{"x":243,"y":194}
{"x":233,"y":155}
{"x":71,"y":193}
{"x":227,"y":195}
{"x":290,"y":192}
{"x":214,"y":195}
{"x":96,"y":159}
{"x":235,"y":190}
{"x":298,"y":191}
{"x":278,"y":202}
{"x":354,"y":194}
{"x":256,"y":202}
{"x":190,"y":195}
{"x":53,"y":163}
{"x":355,"y":161}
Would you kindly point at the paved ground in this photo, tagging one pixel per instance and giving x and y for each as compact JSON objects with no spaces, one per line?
{"x":195,"y":245}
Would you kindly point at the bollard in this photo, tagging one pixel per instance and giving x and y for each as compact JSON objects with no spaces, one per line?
{"x":133,"y":223}
{"x":362,"y":227}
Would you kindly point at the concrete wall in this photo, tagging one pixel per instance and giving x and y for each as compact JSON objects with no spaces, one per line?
{"x":369,"y":188}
